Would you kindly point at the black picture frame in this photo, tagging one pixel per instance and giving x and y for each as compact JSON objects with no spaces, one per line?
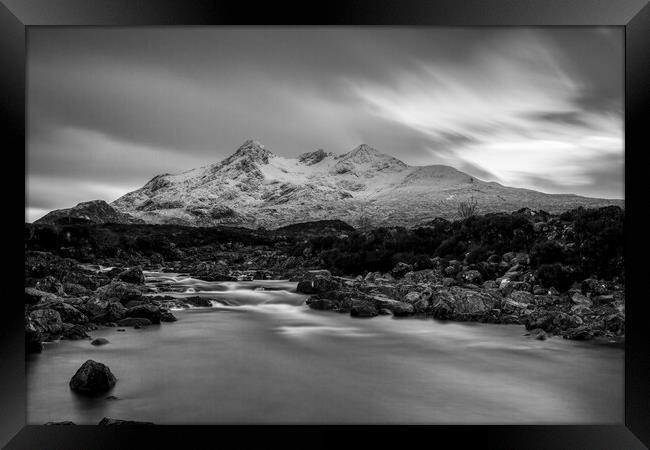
{"x":634,"y":15}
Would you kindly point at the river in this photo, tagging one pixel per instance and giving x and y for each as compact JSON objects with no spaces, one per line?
{"x":261,"y":356}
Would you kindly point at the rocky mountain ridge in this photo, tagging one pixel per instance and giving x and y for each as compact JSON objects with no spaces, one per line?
{"x":255,"y":187}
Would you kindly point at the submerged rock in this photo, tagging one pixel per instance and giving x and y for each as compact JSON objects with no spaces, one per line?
{"x":100,"y":341}
{"x":92,"y":378}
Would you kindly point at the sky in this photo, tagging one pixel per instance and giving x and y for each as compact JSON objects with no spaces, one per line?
{"x":108,"y":109}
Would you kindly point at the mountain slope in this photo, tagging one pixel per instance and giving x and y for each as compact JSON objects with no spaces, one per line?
{"x":254,"y":187}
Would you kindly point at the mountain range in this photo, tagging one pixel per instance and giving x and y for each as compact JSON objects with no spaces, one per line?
{"x":257,"y":188}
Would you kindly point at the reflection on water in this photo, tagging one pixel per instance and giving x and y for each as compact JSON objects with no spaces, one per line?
{"x":277,"y":361}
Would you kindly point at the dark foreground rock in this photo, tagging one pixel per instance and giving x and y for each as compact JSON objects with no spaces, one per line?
{"x":109,"y":421}
{"x":92,"y":378}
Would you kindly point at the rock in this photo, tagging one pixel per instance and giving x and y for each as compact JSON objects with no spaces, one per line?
{"x":423,"y":276}
{"x":615,"y":323}
{"x":104,"y":311}
{"x":324,"y":304}
{"x":599,"y":300}
{"x":73,"y":332}
{"x":46,"y":321}
{"x":401,"y":269}
{"x":69,"y":313}
{"x":470,"y":276}
{"x":50,"y":284}
{"x":121,"y":329}
{"x":119,"y":291}
{"x":167,"y":316}
{"x":396,"y":307}
{"x":580,"y":299}
{"x":582,"y":333}
{"x":510,"y":306}
{"x":92,"y":378}
{"x":401,"y":309}
{"x":312,"y":274}
{"x":594,"y":287}
{"x":198,"y":301}
{"x":107,"y":421}
{"x":546,"y":300}
{"x":448,"y":282}
{"x":539,"y":290}
{"x":522,"y":297}
{"x":134,"y":303}
{"x":65,"y":422}
{"x":33,"y":338}
{"x":317,"y":284}
{"x":132,"y":275}
{"x":75,"y":289}
{"x":99,"y":341}
{"x":362,"y":309}
{"x":538,"y":333}
{"x":34,"y":296}
{"x":490,"y":284}
{"x":133,"y":322}
{"x":150,"y":312}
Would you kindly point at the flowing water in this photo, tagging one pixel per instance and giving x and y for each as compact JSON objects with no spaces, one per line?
{"x":261,"y":356}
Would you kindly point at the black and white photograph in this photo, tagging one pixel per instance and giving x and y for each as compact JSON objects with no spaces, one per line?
{"x":325,"y":225}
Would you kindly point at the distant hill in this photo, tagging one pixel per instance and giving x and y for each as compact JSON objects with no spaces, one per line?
{"x":96,"y":211}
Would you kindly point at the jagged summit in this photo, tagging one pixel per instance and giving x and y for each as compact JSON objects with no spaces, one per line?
{"x":252,"y":150}
{"x":255,"y":187}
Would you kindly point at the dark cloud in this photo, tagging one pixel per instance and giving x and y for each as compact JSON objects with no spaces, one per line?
{"x":110,"y":108}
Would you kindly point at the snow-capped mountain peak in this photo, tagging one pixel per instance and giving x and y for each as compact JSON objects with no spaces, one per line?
{"x":253,"y":187}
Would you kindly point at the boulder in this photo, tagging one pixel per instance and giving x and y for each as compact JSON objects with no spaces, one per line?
{"x":522,"y":297}
{"x":104,"y":311}
{"x":132,"y":275}
{"x":362,"y":309}
{"x":92,"y":378}
{"x":73,"y":332}
{"x":167,"y":316}
{"x":580,"y":299}
{"x":317,"y":284}
{"x":401,"y":269}
{"x":582,"y":333}
{"x":150,"y":312}
{"x":34,"y":296}
{"x":46,"y":321}
{"x":75,"y":289}
{"x":423,"y":276}
{"x":319,"y":303}
{"x":119,"y":291}
{"x":134,"y":322}
{"x":69,"y":313}
{"x":592,"y":286}
{"x":470,"y":276}
{"x":50,"y":284}
{"x":99,"y":341}
{"x":396,"y":307}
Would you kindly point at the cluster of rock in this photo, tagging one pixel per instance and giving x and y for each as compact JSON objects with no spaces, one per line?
{"x":65,"y":300}
{"x":453,"y":291}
